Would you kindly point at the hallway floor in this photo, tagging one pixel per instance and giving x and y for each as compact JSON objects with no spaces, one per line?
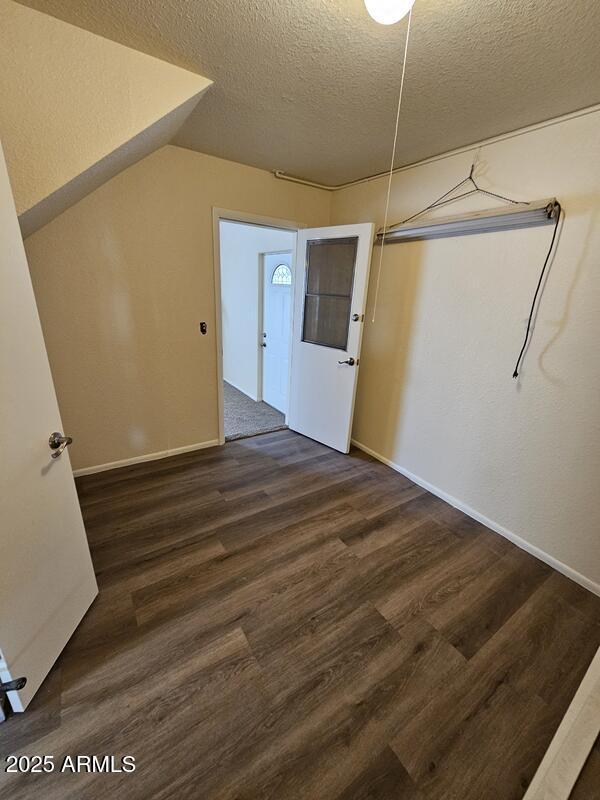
{"x":276,"y":619}
{"x":245,"y":417}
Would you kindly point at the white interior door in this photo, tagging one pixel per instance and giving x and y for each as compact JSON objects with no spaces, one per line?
{"x":332,"y":270}
{"x":277,"y":316}
{"x":47,"y":581}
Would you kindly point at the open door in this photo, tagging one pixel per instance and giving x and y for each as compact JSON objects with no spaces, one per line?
{"x":47,"y":581}
{"x":332,"y":270}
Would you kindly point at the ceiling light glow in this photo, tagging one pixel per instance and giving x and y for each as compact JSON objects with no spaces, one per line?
{"x":387,"y":12}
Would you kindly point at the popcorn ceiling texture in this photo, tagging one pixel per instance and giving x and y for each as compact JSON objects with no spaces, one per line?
{"x":310,"y":86}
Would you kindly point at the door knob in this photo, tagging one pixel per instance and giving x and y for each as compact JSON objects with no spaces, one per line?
{"x":350,"y":361}
{"x":58,"y":443}
{"x":263,"y":344}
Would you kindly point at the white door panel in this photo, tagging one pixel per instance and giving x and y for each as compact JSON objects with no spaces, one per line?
{"x":47,"y":580}
{"x":277,"y":310}
{"x":332,"y":271}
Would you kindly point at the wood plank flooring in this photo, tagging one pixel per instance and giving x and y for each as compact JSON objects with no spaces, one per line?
{"x":277,"y":620}
{"x":588,"y":783}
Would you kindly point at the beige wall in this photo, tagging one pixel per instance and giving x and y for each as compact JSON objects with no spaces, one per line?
{"x":122,"y":280}
{"x":435,"y":392}
{"x":241,"y":249}
{"x":69,"y":98}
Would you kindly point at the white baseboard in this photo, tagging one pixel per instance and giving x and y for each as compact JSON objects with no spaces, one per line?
{"x":125,"y":462}
{"x":569,"y":572}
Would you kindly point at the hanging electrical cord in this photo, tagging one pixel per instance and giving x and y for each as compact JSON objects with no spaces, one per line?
{"x":391,"y":174}
{"x":559,"y":213}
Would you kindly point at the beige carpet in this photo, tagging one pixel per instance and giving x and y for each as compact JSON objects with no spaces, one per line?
{"x":245,"y":417}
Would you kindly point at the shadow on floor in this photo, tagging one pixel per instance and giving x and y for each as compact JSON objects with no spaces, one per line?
{"x":245,"y":417}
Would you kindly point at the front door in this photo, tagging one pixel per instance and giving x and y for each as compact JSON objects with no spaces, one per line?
{"x":276,"y":333}
{"x":330,"y":290}
{"x":47,"y":581}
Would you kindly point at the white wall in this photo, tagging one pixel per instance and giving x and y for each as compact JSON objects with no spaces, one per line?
{"x":241,"y":249}
{"x":435,"y":393}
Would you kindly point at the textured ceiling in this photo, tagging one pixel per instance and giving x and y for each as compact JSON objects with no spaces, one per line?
{"x":310,"y":86}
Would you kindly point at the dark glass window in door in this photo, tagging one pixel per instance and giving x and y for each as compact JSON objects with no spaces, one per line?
{"x":328,"y":293}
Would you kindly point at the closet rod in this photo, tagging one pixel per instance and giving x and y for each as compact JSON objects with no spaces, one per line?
{"x":522,"y":215}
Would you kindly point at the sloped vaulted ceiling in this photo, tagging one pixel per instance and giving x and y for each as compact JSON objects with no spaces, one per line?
{"x":310,"y":86}
{"x":76,"y":108}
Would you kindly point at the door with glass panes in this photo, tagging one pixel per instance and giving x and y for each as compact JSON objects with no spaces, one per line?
{"x":330,"y":290}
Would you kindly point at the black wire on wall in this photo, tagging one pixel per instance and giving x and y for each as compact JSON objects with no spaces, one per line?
{"x":537,"y":291}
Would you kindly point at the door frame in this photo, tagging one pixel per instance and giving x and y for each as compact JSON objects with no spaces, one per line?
{"x":261,"y":317}
{"x":257,"y":220}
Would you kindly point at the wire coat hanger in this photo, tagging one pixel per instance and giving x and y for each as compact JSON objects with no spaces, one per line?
{"x":445,"y":199}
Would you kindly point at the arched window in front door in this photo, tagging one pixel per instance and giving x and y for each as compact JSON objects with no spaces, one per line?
{"x":282,"y":275}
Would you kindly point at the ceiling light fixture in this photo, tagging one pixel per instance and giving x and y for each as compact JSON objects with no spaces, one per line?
{"x":387,"y":12}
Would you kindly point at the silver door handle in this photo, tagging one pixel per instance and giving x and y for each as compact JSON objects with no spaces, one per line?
{"x":58,"y":443}
{"x":350,"y":361}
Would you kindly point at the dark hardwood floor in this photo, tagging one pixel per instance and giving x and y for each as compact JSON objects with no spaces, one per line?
{"x":277,"y":620}
{"x":588,"y":783}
